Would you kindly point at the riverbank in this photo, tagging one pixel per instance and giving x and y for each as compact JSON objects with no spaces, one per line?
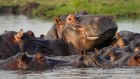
{"x":48,"y":9}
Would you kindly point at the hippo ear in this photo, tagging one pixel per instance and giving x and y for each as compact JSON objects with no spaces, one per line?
{"x":83,"y":12}
{"x":19,"y":35}
{"x":24,"y":57}
{"x":30,"y":33}
{"x":39,"y":56}
{"x":42,"y":36}
{"x":120,"y":42}
{"x":71,"y":19}
{"x":96,"y":51}
{"x":111,"y":53}
{"x":118,"y":36}
{"x":59,"y":23}
{"x":59,"y":26}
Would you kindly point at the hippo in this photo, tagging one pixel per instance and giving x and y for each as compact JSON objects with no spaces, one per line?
{"x":8,"y":46}
{"x":112,"y":53}
{"x":92,"y":59}
{"x":12,"y":42}
{"x":19,"y":61}
{"x":38,"y":63}
{"x":127,"y":35}
{"x":131,"y":39}
{"x":26,"y":62}
{"x":86,"y":32}
{"x":134,"y":60}
{"x":74,"y":27}
{"x":130,"y":59}
{"x":135,"y":45}
{"x":119,"y":41}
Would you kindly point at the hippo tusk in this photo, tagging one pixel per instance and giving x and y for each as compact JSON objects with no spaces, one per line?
{"x":92,"y":38}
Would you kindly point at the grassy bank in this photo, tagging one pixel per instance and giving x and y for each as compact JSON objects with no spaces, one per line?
{"x":51,"y":8}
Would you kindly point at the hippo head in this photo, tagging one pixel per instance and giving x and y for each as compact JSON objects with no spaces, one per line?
{"x":112,"y":56}
{"x":135,"y":60}
{"x":23,"y":60}
{"x":17,"y":62}
{"x":119,"y":41}
{"x":38,"y":63}
{"x":91,"y":59}
{"x":86,"y":31}
{"x":25,"y":41}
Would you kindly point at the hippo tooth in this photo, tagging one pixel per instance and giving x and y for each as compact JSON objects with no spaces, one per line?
{"x":92,"y":38}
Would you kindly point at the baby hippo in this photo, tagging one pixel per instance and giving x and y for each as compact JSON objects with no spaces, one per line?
{"x":17,"y":62}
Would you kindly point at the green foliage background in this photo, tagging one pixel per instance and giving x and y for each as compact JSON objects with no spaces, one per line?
{"x":52,"y":8}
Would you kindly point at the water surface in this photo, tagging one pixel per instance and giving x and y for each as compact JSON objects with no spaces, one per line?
{"x":15,"y":23}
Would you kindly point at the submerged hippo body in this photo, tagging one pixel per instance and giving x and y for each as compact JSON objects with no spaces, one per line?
{"x":54,"y":47}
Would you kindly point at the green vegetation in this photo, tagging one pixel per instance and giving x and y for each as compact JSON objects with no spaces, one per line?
{"x":52,"y":8}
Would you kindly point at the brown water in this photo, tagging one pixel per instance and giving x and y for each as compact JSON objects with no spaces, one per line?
{"x":38,"y":27}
